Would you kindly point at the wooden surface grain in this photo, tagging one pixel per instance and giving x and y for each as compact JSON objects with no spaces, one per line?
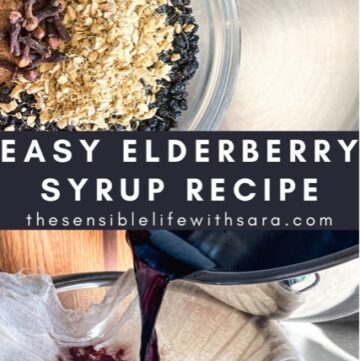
{"x":63,"y":252}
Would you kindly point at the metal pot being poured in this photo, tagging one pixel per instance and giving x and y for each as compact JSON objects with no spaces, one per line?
{"x":239,"y":257}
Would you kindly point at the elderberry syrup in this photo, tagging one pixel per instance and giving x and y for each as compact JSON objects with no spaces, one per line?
{"x":154,"y":269}
{"x":92,"y":354}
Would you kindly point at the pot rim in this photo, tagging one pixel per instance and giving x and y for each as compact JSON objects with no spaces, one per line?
{"x":276,"y":274}
{"x":102,"y":279}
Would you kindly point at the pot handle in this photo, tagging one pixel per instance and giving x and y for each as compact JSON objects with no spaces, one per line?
{"x":301,"y":284}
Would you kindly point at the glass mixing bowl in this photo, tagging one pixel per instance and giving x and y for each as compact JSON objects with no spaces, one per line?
{"x":212,"y":88}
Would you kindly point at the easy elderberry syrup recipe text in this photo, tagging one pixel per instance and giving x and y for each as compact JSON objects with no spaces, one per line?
{"x":177,"y":151}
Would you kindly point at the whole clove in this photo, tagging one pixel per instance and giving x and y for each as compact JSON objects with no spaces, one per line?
{"x":25,"y":59}
{"x":53,"y":35}
{"x":31,"y":22}
{"x":60,"y":28}
{"x":40,"y":48}
{"x":31,"y":75}
{"x":16,"y":20}
{"x":50,"y":11}
{"x":54,"y":58}
{"x":54,"y":42}
{"x":39,"y":33}
{"x":47,"y":13}
{"x":50,"y":29}
{"x":57,"y":4}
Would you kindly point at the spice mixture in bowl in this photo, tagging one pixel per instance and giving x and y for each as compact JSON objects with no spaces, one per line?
{"x":116,"y":64}
{"x":99,"y":64}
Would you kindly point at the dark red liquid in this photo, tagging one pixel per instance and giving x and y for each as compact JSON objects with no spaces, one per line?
{"x":90,"y":354}
{"x":154,"y":270}
{"x":151,"y":287}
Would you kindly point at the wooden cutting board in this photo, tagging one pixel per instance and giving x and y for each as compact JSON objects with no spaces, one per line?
{"x":63,"y":252}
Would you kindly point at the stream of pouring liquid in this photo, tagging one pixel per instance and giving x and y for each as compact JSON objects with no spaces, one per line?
{"x":154,"y":270}
{"x":151,"y":287}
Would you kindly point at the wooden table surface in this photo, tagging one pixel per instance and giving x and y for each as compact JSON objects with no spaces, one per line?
{"x":63,"y":252}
